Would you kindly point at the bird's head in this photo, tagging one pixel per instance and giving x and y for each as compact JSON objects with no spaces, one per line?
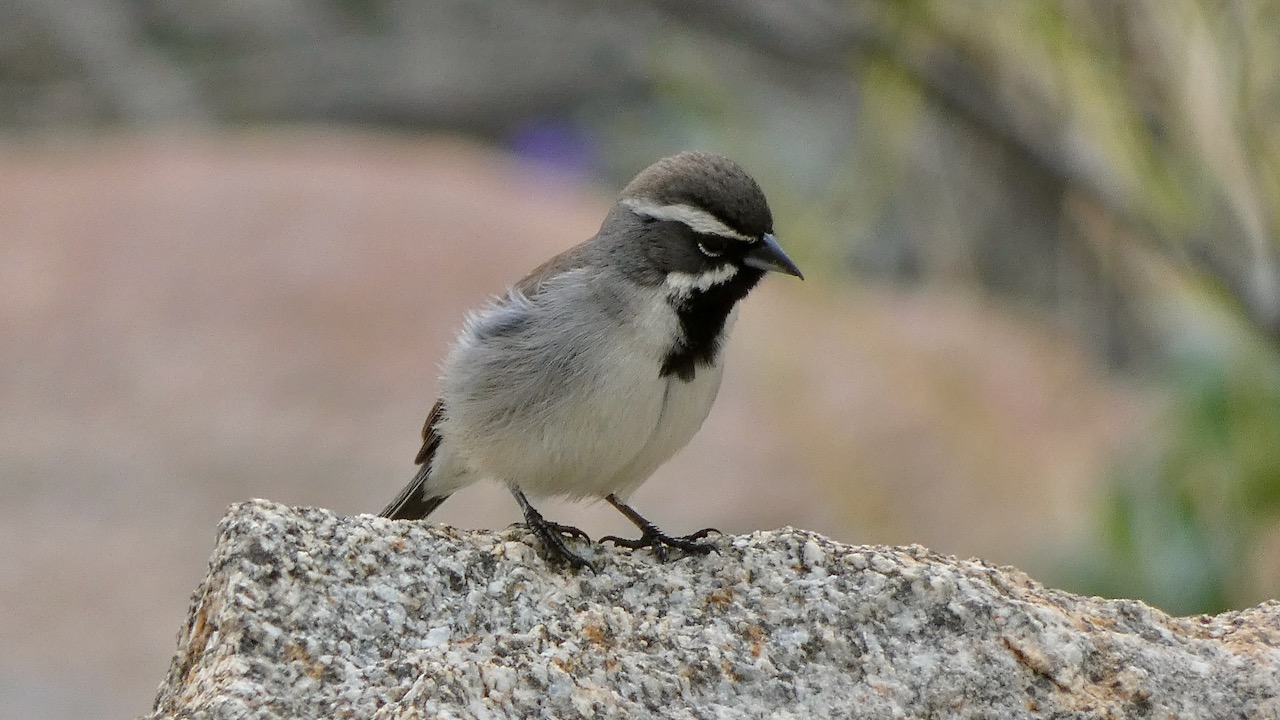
{"x":701,"y":223}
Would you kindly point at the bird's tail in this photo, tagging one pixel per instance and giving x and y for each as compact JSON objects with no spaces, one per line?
{"x":412,"y":503}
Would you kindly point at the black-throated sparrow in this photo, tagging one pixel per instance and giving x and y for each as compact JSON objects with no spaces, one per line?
{"x":603,"y":362}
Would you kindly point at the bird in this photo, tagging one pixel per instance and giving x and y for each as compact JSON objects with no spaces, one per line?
{"x":594,"y":369}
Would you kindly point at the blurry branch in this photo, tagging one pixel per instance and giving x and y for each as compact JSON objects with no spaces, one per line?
{"x":1161,"y":112}
{"x":812,"y":33}
{"x":1150,"y":111}
{"x":1217,"y":111}
{"x":1138,"y":106}
{"x":1158,"y":117}
{"x":1021,"y":118}
{"x":139,"y":85}
{"x":476,"y":67}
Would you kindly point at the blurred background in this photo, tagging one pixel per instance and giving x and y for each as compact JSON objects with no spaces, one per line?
{"x":1041,"y":323}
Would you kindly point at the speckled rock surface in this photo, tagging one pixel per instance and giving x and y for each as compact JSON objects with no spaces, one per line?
{"x":305,"y":614}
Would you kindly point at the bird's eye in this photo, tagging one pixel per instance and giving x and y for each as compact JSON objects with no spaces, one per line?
{"x":712,"y":245}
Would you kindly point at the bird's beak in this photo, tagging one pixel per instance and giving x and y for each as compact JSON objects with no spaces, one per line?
{"x":767,"y":255}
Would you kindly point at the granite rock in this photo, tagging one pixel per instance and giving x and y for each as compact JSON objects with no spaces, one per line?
{"x":306,"y":614}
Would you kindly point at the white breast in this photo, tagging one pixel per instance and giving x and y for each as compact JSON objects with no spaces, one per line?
{"x":575,"y":408}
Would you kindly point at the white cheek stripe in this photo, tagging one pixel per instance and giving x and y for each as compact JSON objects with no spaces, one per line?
{"x":683,"y":284}
{"x":698,"y":220}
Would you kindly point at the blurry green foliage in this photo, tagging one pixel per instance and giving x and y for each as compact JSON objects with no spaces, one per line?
{"x":1186,"y":520}
{"x":1160,"y":119}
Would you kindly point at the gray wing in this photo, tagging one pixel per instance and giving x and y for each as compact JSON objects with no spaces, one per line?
{"x":412,"y":503}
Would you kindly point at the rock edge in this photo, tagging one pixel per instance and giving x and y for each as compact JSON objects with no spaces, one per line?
{"x":305,"y":613}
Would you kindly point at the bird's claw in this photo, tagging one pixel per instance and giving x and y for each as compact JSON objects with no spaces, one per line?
{"x":653,"y":538}
{"x":568,"y":531}
{"x":551,"y":535}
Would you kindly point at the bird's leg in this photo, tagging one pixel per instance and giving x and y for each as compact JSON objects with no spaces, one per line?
{"x":651,"y":536}
{"x":551,"y":534}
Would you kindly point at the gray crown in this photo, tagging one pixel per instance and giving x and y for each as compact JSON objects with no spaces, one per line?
{"x":708,"y":181}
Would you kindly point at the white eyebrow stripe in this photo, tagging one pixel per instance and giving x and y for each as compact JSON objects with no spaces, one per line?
{"x":683,"y":284}
{"x":698,"y":220}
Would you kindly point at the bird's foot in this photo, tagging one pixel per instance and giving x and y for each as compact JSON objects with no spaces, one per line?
{"x":652,"y":537}
{"x":551,"y":535}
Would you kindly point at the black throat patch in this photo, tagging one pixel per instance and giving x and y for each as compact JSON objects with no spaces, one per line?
{"x":702,"y":316}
